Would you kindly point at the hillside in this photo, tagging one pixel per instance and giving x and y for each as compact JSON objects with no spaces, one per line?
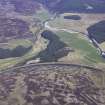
{"x":52,"y":84}
{"x":52,"y":52}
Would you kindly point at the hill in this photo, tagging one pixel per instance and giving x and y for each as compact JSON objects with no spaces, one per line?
{"x":52,"y":84}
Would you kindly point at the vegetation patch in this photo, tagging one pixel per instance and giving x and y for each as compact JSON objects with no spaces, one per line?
{"x":80,"y":6}
{"x":72,"y":17}
{"x":13,"y":29}
{"x":51,"y":53}
{"x":28,"y":7}
{"x":87,"y":51}
{"x":52,"y":84}
{"x":97,"y":31}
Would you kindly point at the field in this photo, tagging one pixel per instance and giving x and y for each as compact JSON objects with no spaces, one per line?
{"x":84,"y":51}
{"x":13,"y":29}
{"x":80,"y":6}
{"x":50,"y":52}
{"x":27,"y":8}
{"x":102,"y":45}
{"x":80,"y":25}
{"x":16,"y":61}
{"x":20,"y":27}
{"x":58,"y":84}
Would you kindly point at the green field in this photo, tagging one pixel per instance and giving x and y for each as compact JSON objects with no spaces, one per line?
{"x":41,"y":15}
{"x":11,"y":62}
{"x":86,"y":52}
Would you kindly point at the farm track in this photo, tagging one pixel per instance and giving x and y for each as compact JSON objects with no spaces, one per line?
{"x":51,"y":64}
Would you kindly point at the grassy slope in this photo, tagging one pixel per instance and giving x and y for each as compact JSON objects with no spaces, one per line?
{"x":42,"y":15}
{"x":10,"y":62}
{"x":84,"y":50}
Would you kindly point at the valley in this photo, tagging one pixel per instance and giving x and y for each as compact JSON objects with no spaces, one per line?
{"x":52,"y":52}
{"x":31,"y":26}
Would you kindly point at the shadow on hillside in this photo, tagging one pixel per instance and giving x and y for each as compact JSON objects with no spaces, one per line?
{"x":97,"y":31}
{"x":51,"y":53}
{"x":16,"y":52}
